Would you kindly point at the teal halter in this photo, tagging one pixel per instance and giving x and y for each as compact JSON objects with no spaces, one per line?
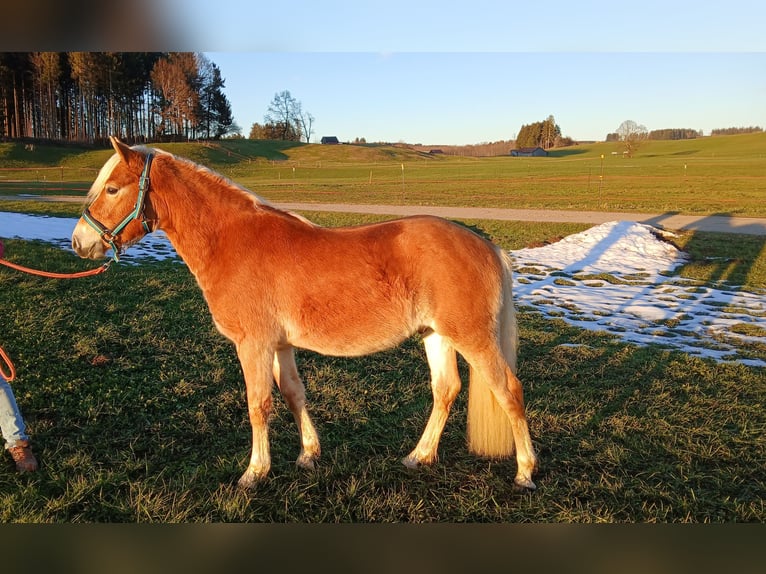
{"x":138,"y":212}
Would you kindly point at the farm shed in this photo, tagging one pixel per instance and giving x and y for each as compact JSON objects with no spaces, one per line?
{"x":330,"y":140}
{"x":529,"y":152}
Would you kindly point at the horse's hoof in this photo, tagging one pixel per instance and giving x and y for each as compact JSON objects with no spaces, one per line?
{"x":306,"y":462}
{"x":410,"y":462}
{"x":524,"y":484}
{"x":250,"y":479}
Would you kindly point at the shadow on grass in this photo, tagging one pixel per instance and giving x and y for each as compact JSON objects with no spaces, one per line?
{"x":32,"y":152}
{"x":708,"y":251}
{"x":566,"y":152}
{"x":273,"y":150}
{"x":647,"y":429}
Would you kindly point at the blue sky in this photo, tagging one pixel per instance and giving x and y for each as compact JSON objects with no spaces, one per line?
{"x":468,"y":72}
{"x":465,"y":98}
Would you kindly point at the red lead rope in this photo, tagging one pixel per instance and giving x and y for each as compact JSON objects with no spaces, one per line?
{"x":11,"y":373}
{"x":50,"y":275}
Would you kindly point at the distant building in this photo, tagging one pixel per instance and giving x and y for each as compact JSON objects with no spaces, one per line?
{"x":529,"y":152}
{"x":330,"y":140}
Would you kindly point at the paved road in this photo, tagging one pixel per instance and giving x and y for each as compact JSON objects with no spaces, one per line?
{"x":720,"y":223}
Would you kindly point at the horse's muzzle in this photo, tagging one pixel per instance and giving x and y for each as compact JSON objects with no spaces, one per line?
{"x":87,"y":244}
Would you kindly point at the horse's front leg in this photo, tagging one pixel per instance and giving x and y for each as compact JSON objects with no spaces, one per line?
{"x":256,"y":362}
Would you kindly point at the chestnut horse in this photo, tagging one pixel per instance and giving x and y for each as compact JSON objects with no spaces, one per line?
{"x":274,"y":281}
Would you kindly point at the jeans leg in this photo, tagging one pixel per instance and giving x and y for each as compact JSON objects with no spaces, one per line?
{"x":11,"y":422}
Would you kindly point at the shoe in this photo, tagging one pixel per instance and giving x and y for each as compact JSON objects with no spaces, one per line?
{"x":23,"y":457}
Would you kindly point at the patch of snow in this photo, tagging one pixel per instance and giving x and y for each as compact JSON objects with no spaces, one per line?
{"x":615,"y":278}
{"x":58,"y":230}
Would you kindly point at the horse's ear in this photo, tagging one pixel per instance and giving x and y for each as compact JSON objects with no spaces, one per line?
{"x":122,"y":150}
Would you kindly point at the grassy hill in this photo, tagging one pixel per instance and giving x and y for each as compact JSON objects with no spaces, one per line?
{"x":218,"y":154}
{"x":736,"y":146}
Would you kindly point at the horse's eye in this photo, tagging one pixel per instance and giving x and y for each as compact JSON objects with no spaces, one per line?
{"x":111,"y":190}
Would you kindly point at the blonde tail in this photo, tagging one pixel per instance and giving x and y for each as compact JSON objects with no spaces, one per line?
{"x":490,"y":433}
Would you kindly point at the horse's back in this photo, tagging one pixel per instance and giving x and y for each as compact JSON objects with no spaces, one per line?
{"x":424,"y":252}
{"x":420,"y":237}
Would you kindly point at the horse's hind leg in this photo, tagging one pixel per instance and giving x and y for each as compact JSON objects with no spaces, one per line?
{"x":294,"y":393}
{"x":490,"y":368}
{"x":445,"y":384}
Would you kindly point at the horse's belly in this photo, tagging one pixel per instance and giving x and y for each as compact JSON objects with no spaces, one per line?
{"x":348,"y":336}
{"x":349,"y":348}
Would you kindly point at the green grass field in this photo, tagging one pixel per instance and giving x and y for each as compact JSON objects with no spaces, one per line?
{"x":713,"y":175}
{"x":137,"y":411}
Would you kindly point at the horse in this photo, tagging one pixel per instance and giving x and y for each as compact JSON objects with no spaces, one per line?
{"x":274,"y":281}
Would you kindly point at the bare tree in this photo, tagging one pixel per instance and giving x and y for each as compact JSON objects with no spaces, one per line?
{"x":176,"y":79}
{"x":282,"y":112}
{"x":305,"y":121}
{"x":632,"y":135}
{"x":286,"y":113}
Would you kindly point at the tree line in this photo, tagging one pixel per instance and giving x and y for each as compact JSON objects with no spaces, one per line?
{"x":663,"y":134}
{"x":736,"y":131}
{"x":685,"y":133}
{"x":674,"y":134}
{"x":85,"y":97}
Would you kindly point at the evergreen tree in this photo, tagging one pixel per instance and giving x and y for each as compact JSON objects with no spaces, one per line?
{"x":545,"y":134}
{"x":216,"y":110}
{"x":87,"y":96}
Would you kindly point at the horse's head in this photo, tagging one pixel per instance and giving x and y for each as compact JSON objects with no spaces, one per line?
{"x":115,"y":217}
